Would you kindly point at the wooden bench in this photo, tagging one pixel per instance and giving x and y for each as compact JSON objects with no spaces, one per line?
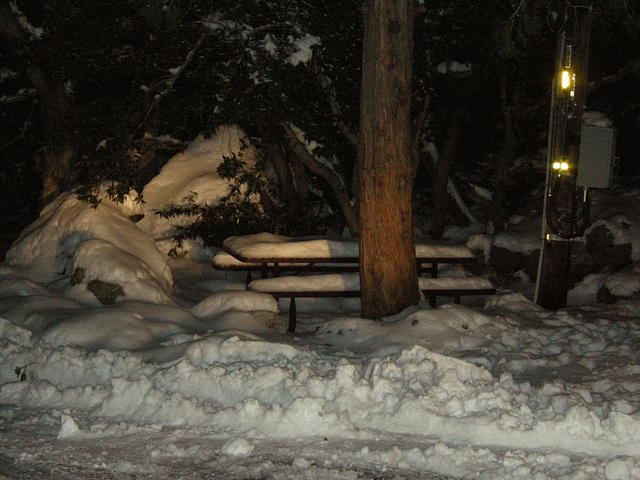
{"x":345,"y":285}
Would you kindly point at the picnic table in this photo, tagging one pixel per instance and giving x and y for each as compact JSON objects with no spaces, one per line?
{"x":270,"y":253}
{"x":267,"y":252}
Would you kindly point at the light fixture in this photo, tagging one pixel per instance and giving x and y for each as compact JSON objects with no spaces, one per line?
{"x":560,"y":165}
{"x":566,"y":79}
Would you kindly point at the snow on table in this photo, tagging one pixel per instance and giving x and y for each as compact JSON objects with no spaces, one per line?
{"x":224,"y":260}
{"x":269,"y":246}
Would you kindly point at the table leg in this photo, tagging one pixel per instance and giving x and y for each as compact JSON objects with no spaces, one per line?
{"x":292,"y":315}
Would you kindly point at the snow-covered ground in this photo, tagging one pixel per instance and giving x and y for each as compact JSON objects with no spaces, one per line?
{"x":180,"y":373}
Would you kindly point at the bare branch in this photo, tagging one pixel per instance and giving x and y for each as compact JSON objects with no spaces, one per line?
{"x":334,"y":105}
{"x":431,"y":149}
{"x":328,"y":174}
{"x":630,"y":68}
{"x":174,"y":78}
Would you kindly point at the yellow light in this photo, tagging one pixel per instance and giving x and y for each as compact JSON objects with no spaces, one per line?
{"x":561,"y":165}
{"x":565,"y":79}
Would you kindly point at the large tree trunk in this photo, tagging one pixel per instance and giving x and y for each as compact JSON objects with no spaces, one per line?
{"x":388,"y":277}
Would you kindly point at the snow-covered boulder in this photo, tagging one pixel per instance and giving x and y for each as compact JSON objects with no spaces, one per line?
{"x":610,"y":241}
{"x":103,"y":241}
{"x":100,"y":263}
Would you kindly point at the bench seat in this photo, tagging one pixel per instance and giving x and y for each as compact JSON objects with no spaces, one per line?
{"x":348,"y":285}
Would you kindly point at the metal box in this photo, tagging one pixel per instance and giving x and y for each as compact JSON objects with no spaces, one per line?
{"x":597,"y":153}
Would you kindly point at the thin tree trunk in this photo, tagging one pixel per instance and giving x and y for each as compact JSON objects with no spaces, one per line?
{"x":440,"y":199}
{"x":388,"y":278}
{"x":281,"y":167}
{"x":59,"y":134}
{"x":329,"y":175}
{"x":55,"y":112}
{"x":431,"y":149}
{"x":506,"y":159}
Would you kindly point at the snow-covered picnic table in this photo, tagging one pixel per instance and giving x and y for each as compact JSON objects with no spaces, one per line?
{"x":269,"y":252}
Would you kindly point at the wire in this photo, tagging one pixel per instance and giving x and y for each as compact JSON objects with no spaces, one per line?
{"x":566,"y":225}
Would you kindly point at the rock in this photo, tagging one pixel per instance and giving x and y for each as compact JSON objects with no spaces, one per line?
{"x":605,"y":296}
{"x":614,"y":255}
{"x":598,"y":237}
{"x":104,"y":291}
{"x":601,"y":243}
{"x":581,"y":263}
{"x":506,"y":261}
{"x":78,"y":276}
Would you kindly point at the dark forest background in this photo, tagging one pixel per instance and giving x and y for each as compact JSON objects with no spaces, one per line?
{"x":109,"y":91}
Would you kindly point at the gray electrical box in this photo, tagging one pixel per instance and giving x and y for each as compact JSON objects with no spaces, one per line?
{"x":597,"y":152}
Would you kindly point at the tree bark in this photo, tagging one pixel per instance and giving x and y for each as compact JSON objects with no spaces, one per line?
{"x":388,"y":278}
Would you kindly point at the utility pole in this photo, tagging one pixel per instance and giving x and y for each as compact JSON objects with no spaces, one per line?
{"x":563,"y":206}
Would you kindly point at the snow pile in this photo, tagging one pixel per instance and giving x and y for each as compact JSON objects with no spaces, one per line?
{"x":523,"y":237}
{"x":92,"y":244}
{"x":622,"y":231}
{"x":191,"y":174}
{"x":490,"y":408}
{"x":625,"y":283}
